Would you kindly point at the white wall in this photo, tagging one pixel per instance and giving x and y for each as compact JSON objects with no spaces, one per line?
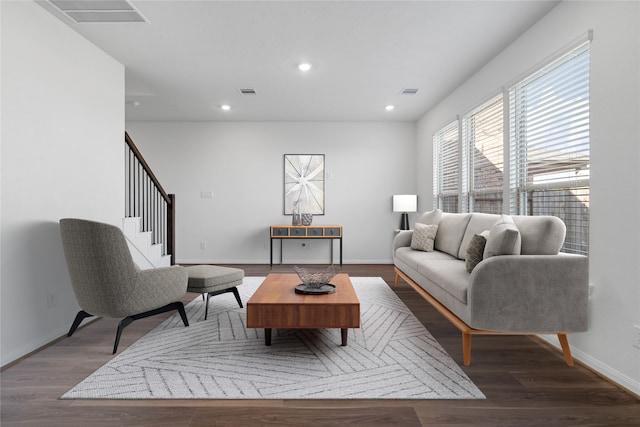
{"x":62,"y":155}
{"x":615,"y":177}
{"x":242,"y":163}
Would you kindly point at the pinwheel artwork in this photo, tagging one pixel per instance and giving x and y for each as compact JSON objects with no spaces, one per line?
{"x":304,"y":184}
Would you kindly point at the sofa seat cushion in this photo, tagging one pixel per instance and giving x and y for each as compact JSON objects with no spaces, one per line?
{"x":413,"y":258}
{"x":450,"y":275}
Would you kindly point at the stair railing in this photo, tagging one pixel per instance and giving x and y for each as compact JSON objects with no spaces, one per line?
{"x":146,"y":199}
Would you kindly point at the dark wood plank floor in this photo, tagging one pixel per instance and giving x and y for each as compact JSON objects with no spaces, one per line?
{"x":526,"y":381}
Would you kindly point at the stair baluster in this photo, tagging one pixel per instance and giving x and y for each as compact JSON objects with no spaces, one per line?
{"x":145,"y":198}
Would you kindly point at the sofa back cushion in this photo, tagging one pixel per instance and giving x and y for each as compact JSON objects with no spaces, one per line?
{"x":504,"y":238}
{"x":431,"y":217}
{"x":451,"y":230}
{"x":478,"y":223}
{"x":541,"y":235}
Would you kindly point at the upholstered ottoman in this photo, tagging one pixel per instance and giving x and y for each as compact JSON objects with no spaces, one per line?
{"x":214,"y":280}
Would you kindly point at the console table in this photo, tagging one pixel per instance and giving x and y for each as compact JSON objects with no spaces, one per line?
{"x":312,"y":232}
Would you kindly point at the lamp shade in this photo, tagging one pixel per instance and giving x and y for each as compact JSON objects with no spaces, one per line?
{"x":405,"y":203}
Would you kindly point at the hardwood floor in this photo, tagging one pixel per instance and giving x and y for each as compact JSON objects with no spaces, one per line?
{"x":526,"y":381}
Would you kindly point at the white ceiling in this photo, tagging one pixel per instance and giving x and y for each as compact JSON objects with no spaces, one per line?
{"x":193,"y":56}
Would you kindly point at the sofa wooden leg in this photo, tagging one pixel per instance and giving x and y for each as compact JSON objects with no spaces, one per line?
{"x":566,"y":350}
{"x":466,"y":348}
{"x":397,"y":280}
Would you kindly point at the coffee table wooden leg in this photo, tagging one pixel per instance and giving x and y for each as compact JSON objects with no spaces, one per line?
{"x":267,"y":336}
{"x":344,"y":335}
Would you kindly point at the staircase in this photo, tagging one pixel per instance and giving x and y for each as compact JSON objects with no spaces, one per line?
{"x":145,"y":253}
{"x":149,"y":222}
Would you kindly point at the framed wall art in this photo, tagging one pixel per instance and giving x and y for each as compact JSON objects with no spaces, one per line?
{"x":304,"y":184}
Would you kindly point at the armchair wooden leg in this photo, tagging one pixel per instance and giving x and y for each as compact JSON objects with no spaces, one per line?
{"x":129,"y":319}
{"x":76,"y":322}
{"x":466,"y":348}
{"x":123,"y":324}
{"x":183,"y":314}
{"x":397,"y":280}
{"x":566,"y":350}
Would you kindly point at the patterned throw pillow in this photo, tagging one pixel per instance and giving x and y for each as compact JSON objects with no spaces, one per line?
{"x":423,"y":237}
{"x":475,"y":250}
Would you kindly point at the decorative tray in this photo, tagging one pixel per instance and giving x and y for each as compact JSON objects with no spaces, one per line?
{"x":324,"y":289}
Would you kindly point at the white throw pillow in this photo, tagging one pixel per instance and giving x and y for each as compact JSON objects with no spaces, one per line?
{"x":504,"y":238}
{"x":424,"y":237}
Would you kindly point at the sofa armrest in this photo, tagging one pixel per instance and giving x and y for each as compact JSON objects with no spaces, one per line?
{"x":402,"y":239}
{"x":530,"y":293}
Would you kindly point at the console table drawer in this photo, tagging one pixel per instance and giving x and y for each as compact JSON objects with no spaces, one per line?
{"x":332,"y":231}
{"x":280,"y":231}
{"x":314,"y":231}
{"x":298,"y":232}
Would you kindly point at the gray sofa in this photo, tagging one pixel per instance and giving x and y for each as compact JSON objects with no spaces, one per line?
{"x":521,"y":284}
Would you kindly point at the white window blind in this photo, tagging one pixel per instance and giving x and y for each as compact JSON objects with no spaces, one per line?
{"x":446,"y":163}
{"x":549,"y":145}
{"x":482,"y":135}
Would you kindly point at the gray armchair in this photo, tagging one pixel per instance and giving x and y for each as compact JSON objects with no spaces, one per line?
{"x":107,"y":282}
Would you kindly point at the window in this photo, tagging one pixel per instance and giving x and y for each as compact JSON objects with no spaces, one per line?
{"x":549,"y":144}
{"x":547,"y":168}
{"x":446,"y":182}
{"x":482,"y":134}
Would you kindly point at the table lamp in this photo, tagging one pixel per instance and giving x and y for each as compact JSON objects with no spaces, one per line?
{"x":405,"y":203}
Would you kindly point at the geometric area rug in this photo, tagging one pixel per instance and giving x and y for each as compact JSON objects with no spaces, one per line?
{"x":391,"y":356}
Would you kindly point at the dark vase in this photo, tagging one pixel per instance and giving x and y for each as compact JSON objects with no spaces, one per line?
{"x":307,"y":219}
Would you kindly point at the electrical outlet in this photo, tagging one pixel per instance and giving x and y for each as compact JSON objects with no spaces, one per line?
{"x":51,"y":299}
{"x":203,"y":245}
{"x":636,"y":339}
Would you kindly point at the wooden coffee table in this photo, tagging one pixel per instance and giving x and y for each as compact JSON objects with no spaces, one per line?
{"x":276,"y":305}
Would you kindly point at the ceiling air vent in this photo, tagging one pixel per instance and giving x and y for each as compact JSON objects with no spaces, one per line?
{"x":247,"y":91}
{"x":408,"y":91}
{"x":89,"y":11}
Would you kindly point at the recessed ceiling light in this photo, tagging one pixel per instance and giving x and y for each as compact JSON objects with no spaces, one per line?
{"x":389,"y":107}
{"x":305,"y":66}
{"x":225,"y":107}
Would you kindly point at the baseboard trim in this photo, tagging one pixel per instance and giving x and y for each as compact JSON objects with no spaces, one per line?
{"x":318,"y":260}
{"x":598,"y":368}
{"x":34,"y":347}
